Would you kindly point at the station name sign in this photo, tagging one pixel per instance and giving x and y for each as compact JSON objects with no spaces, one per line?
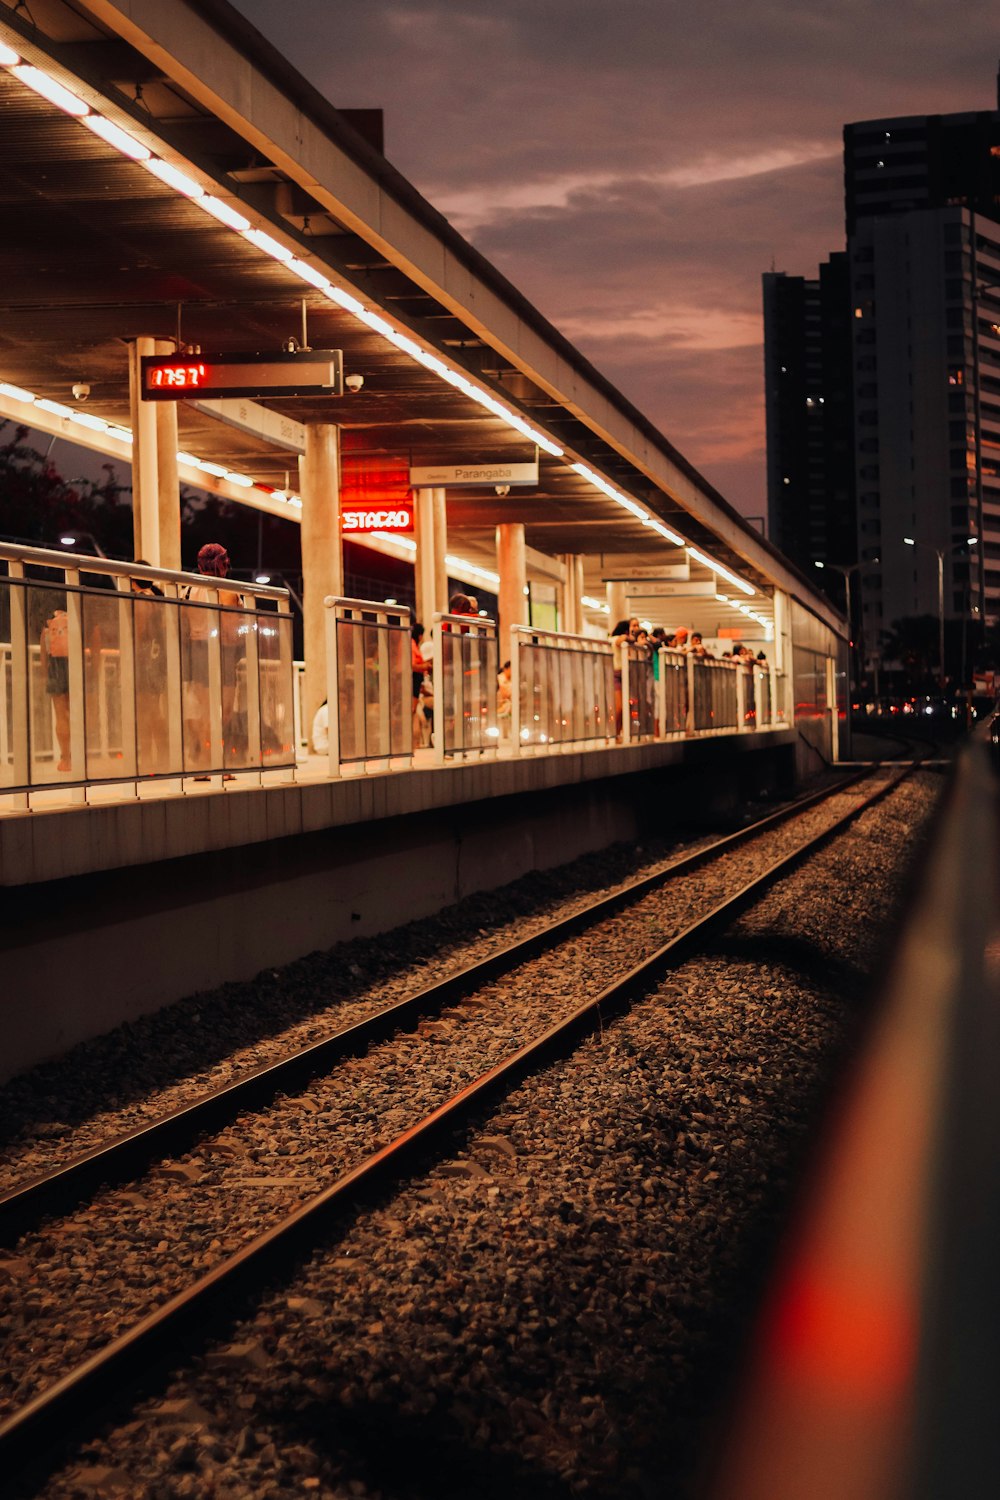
{"x":179,"y":377}
{"x":363,"y":520}
{"x":437,"y":476}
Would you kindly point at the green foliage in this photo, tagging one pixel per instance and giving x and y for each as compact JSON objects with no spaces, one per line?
{"x":37,"y":504}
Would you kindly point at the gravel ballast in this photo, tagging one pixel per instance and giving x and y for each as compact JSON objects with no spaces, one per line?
{"x":543,"y":1313}
{"x":188,"y":1214}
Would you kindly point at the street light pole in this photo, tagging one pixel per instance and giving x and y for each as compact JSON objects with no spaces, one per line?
{"x":940,"y":553}
{"x":846,"y":571}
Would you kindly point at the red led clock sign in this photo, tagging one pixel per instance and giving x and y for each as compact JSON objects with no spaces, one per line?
{"x":176,"y":377}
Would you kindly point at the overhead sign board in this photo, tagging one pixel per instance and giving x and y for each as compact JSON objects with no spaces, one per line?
{"x":642,"y":589}
{"x":662,"y":573}
{"x":692,"y":589}
{"x":179,"y":377}
{"x":438,"y":476}
{"x":276,"y":426}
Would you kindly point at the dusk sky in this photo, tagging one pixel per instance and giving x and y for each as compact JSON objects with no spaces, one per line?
{"x":634,"y":168}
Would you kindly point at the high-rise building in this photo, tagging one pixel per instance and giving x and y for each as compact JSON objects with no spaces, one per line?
{"x":919,"y":387}
{"x":810,"y":439}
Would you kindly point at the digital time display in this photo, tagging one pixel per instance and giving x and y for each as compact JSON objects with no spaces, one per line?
{"x":313,"y":372}
{"x":177,"y":377}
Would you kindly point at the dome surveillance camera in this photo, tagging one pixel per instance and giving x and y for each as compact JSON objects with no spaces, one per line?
{"x":354,"y":383}
{"x":502,"y":489}
{"x":81,"y":390}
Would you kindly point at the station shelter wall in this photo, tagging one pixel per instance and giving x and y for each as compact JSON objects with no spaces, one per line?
{"x":819,"y":683}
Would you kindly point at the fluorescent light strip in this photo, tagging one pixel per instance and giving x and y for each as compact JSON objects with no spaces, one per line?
{"x":87,"y":419}
{"x":627,"y":503}
{"x":458,"y":564}
{"x":17,"y":393}
{"x":173,"y":177}
{"x":49,"y":88}
{"x":8,"y":59}
{"x":269,"y":246}
{"x":390,"y":536}
{"x":115,"y":136}
{"x":708,"y":562}
{"x":224,"y":212}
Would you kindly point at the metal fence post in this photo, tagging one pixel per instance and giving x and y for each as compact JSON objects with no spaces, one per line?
{"x":332,"y":687}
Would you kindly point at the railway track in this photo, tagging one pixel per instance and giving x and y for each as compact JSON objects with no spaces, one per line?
{"x":184,"y":1316}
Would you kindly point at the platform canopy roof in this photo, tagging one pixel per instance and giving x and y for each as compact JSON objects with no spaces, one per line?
{"x":282,"y":202}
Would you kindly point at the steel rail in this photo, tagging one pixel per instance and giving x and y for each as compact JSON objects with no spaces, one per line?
{"x":118,"y":1161}
{"x":32,"y":1439}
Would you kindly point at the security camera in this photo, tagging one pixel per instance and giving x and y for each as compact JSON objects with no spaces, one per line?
{"x":81,"y":391}
{"x":354,"y":383}
{"x":501,"y":489}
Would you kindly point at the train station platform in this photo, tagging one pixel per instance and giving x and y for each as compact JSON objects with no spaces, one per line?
{"x":114,"y":909}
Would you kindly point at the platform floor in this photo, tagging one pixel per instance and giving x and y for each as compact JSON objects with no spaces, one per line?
{"x":69,"y":832}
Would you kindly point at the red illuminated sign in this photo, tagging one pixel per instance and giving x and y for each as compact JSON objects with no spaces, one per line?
{"x":389,"y":518}
{"x":312,"y":372}
{"x":374,"y":490}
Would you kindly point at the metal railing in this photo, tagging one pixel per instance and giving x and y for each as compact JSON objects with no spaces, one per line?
{"x":103,"y":681}
{"x":713,"y":695}
{"x":637,"y":709}
{"x":873,"y":1371}
{"x":562,"y":691}
{"x":672,"y":693}
{"x":464,"y":671}
{"x":368,"y":684}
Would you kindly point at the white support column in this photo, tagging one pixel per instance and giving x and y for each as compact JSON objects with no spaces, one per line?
{"x":322,"y":554}
{"x":571,"y":592}
{"x":617,"y":603}
{"x":145,"y":468}
{"x":168,"y":498}
{"x":513,"y":570}
{"x":440,"y":500}
{"x":424,"y":566}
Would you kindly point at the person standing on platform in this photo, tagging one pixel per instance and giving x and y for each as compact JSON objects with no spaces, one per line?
{"x":213,"y":562}
{"x":54,"y":642}
{"x":149,"y":626}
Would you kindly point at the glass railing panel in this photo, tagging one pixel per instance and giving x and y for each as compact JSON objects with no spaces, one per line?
{"x":275,"y":665}
{"x":50,"y":747}
{"x":400,"y":696}
{"x":152,"y":620}
{"x":448,"y":688}
{"x":108,"y":756}
{"x":201,"y":685}
{"x":350,"y":691}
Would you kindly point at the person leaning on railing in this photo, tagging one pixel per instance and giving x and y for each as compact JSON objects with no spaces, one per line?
{"x":54,"y":643}
{"x":213,"y":562}
{"x":504,"y":700}
{"x":620,"y":637}
{"x":150,"y":674}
